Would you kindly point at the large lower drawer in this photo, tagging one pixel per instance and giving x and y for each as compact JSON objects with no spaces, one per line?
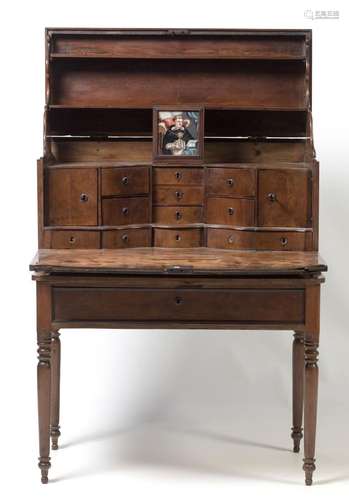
{"x":210,"y":305}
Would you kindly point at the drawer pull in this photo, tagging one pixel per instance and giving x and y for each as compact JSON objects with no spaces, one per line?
{"x":83,"y":197}
{"x":72,"y":240}
{"x":178,"y":215}
{"x":179,"y":301}
{"x":272,"y":197}
{"x":178,"y":176}
{"x":179,"y":195}
{"x":178,"y":237}
{"x":124,"y":180}
{"x":124,"y":238}
{"x":230,"y":182}
{"x":125,"y":211}
{"x":284,"y":241}
{"x":230,"y":211}
{"x":230,"y":239}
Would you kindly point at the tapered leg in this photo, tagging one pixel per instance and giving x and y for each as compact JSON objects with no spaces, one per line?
{"x":311,"y":344}
{"x":55,"y":388}
{"x":298,"y":384}
{"x":44,"y":391}
{"x":44,"y":376}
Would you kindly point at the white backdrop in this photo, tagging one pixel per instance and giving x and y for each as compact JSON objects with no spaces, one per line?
{"x":168,"y":413}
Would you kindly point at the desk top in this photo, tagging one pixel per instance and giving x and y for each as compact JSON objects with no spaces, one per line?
{"x":177,"y":261}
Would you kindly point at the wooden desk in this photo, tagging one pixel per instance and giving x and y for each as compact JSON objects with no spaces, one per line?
{"x":178,"y":189}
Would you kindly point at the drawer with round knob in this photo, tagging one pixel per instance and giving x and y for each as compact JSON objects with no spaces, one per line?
{"x":230,"y":239}
{"x":178,"y":195}
{"x":124,"y":211}
{"x":126,"y":238}
{"x":178,"y":176}
{"x":64,"y":239}
{"x":125,"y":181}
{"x":257,"y":240}
{"x":177,"y":215}
{"x":177,"y":238}
{"x":231,"y":181}
{"x":230,"y":211}
{"x":281,"y":240}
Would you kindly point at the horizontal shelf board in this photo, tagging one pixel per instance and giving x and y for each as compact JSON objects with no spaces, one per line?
{"x":179,"y":226}
{"x":216,"y":107}
{"x":96,"y":55}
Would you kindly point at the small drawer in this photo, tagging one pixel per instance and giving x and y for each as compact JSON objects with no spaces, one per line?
{"x":230,"y":239}
{"x":178,"y":195}
{"x":231,"y":181}
{"x":177,"y":238}
{"x":120,"y":211}
{"x":230,"y":211}
{"x":126,"y":238}
{"x":125,"y":180}
{"x":178,"y":176}
{"x":280,"y":240}
{"x":74,"y":239}
{"x":177,"y":215}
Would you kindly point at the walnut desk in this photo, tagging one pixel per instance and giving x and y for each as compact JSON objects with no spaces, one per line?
{"x":178,"y":188}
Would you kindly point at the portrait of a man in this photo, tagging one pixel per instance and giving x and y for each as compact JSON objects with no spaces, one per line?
{"x":178,"y":133}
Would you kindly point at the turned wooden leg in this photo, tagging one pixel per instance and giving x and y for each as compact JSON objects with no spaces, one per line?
{"x":311,"y":344}
{"x":44,"y":377}
{"x":297,"y":389}
{"x":55,"y":388}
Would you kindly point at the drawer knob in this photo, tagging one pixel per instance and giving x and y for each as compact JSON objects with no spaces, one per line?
{"x":230,"y":211}
{"x":284,"y":241}
{"x":179,"y":300}
{"x":124,"y":180}
{"x":178,"y":215}
{"x":231,"y":239}
{"x":230,"y":182}
{"x":83,"y":197}
{"x":272,"y":197}
{"x":72,"y":240}
{"x":124,"y":238}
{"x":179,"y":194}
{"x":178,"y":176}
{"x":125,"y":211}
{"x":178,"y":237}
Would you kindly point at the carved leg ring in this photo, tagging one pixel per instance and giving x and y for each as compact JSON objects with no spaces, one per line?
{"x":44,"y":383}
{"x":298,"y":393}
{"x":55,"y":388}
{"x":310,"y":408}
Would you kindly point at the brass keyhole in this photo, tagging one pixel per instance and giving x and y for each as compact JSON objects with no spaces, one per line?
{"x":178,"y":237}
{"x":178,"y":176}
{"x":124,"y":238}
{"x":230,"y":182}
{"x":179,"y":195}
{"x":272,"y":197}
{"x":284,"y":241}
{"x":125,"y":211}
{"x":230,"y":211}
{"x":83,"y":197}
{"x":179,"y":300}
{"x":72,"y":240}
{"x":178,"y":215}
{"x":124,"y":180}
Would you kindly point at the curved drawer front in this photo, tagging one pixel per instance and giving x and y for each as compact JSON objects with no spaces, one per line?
{"x":218,"y":305}
{"x":126,"y":238}
{"x":256,"y":240}
{"x":177,"y":238}
{"x":177,"y":215}
{"x":178,"y":195}
{"x":230,"y":211}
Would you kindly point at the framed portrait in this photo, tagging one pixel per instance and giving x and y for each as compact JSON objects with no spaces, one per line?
{"x":178,"y":134}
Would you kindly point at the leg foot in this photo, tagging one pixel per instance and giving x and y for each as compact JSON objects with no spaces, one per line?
{"x":44,"y":465}
{"x":55,"y":433}
{"x":309,"y":467}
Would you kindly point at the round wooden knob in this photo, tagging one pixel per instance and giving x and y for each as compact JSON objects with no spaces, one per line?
{"x":178,"y":237}
{"x":230,"y":211}
{"x":179,"y":300}
{"x":83,"y":197}
{"x":284,"y":241}
{"x":178,"y":176}
{"x":125,"y":211}
{"x":230,"y":182}
{"x":178,"y":215}
{"x":271,"y":197}
{"x":179,"y":195}
{"x":124,"y":238}
{"x":124,"y":180}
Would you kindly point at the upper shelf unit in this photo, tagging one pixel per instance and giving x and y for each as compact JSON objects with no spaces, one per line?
{"x":176,"y":44}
